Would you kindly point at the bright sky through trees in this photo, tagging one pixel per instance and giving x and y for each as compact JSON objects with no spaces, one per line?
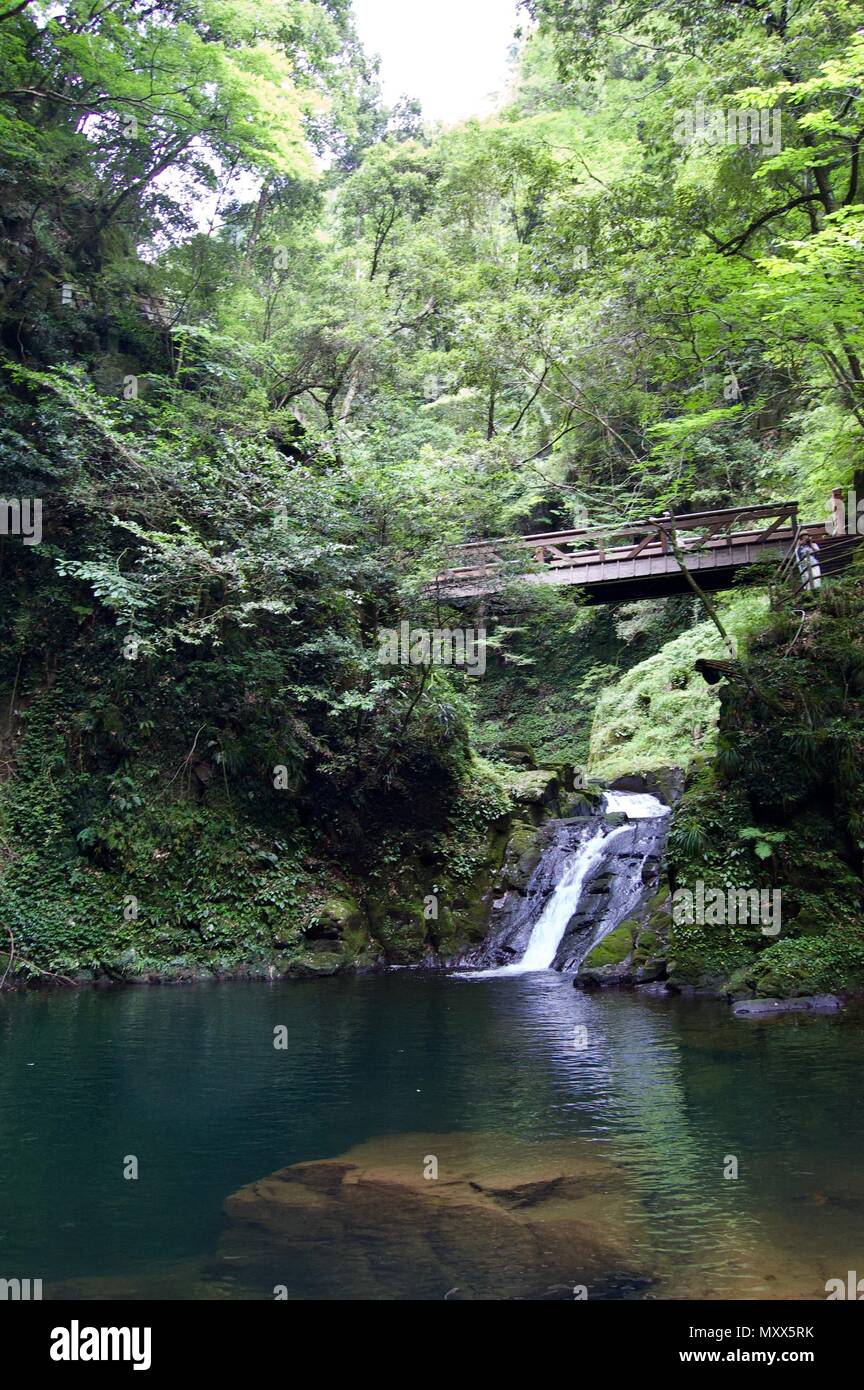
{"x":453,"y":55}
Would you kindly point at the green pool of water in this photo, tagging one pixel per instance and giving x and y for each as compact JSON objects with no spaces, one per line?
{"x":188,"y":1082}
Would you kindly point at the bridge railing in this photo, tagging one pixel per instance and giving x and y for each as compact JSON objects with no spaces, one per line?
{"x":833,"y":555}
{"x":579,"y":546}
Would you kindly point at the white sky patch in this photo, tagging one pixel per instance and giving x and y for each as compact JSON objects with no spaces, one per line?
{"x":452,"y":54}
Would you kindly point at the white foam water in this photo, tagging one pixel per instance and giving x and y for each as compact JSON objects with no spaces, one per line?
{"x":635,"y":805}
{"x":552,"y":923}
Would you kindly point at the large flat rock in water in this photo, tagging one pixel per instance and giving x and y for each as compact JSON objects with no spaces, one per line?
{"x":503,"y":1219}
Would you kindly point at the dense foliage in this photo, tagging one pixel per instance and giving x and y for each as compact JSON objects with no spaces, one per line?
{"x":269,"y":347}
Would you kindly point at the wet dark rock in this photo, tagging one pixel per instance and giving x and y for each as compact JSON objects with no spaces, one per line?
{"x":585,"y":801}
{"x":651,"y":972}
{"x":666,"y":783}
{"x":651,"y":871}
{"x":601,"y":883}
{"x":515,"y":911}
{"x":623,"y":898}
{"x":604,"y":977}
{"x":765,"y":1008}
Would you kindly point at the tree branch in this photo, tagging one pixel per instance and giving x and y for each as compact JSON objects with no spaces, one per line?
{"x":735,"y":243}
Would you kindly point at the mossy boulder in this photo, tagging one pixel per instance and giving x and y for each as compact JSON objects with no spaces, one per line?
{"x":401,"y":931}
{"x":536,"y":791}
{"x":646,"y":947}
{"x":315,"y":964}
{"x":615,"y":948}
{"x":666,"y":783}
{"x":582,"y":802}
{"x":494,"y":850}
{"x":335,"y":919}
{"x":522,"y":855}
{"x":658,"y":910}
{"x":741,"y":983}
{"x":519,"y":754}
{"x":566,"y":774}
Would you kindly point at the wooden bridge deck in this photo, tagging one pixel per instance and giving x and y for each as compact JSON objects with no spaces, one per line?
{"x":646,"y":565}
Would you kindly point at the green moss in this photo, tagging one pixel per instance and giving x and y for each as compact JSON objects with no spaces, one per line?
{"x":790,"y":775}
{"x":523,"y":854}
{"x":337,"y":915}
{"x":614,"y":949}
{"x":646,"y":947}
{"x":401,"y":932}
{"x":662,"y":713}
{"x":560,"y":658}
{"x":834,"y":962}
{"x":537,"y":788}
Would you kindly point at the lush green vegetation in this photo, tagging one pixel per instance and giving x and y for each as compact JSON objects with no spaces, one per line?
{"x":799,"y":778}
{"x":661,"y":713}
{"x":268,"y":347}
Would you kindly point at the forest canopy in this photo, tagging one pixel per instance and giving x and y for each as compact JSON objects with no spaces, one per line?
{"x":270,"y":346}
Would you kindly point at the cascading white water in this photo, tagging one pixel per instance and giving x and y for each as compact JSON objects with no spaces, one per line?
{"x":635,"y":805}
{"x":552,"y":923}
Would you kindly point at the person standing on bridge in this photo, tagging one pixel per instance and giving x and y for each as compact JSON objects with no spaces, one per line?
{"x":838,"y":512}
{"x":806,"y":554}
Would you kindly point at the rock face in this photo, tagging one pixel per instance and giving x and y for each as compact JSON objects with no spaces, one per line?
{"x":628,"y":879}
{"x":502,"y":1219}
{"x":634,"y":954}
{"x":533,"y":864}
{"x":508,"y":852}
{"x":666,"y":783}
{"x":624,"y":878}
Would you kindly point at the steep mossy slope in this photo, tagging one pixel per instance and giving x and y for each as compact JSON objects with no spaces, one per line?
{"x":781,"y":808}
{"x":162,"y":868}
{"x":661,"y":713}
{"x":541,"y":691}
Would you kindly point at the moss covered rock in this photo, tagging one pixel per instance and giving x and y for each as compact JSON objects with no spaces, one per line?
{"x":335,"y":918}
{"x":615,"y":948}
{"x":582,"y":802}
{"x":315,"y":964}
{"x":661,"y":713}
{"x":536,"y":790}
{"x":523,"y":853}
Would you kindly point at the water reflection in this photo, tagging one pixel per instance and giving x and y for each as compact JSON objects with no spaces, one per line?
{"x":664,"y":1092}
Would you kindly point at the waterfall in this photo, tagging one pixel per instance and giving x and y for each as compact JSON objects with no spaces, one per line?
{"x":635,"y":805}
{"x":552,"y":922}
{"x":628,"y":846}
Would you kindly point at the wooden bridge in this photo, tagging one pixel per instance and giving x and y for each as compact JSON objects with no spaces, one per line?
{"x":718,"y":547}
